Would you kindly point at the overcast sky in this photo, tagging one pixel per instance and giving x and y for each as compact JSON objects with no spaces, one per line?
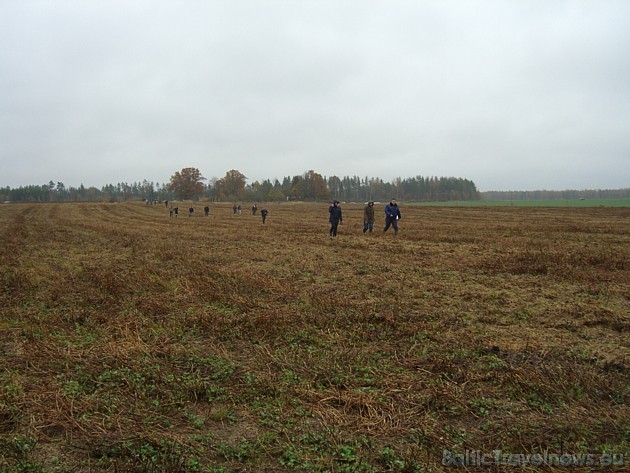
{"x":513,"y":94}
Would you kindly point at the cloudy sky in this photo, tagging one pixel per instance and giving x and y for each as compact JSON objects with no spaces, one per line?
{"x":513,"y":94}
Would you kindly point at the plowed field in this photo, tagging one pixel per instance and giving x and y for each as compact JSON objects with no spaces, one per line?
{"x":135,"y":341}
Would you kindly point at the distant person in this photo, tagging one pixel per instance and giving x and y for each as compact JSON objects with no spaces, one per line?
{"x":263,"y":214}
{"x":170,"y":212}
{"x":335,"y":217}
{"x":368,"y":217}
{"x":392,"y":215}
{"x":176,"y":211}
{"x":254,"y":209}
{"x":190,"y":212}
{"x":238,"y":209}
{"x":206,"y":210}
{"x":234,"y":209}
{"x":166,"y":203}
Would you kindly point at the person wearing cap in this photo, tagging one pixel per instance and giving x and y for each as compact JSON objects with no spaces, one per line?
{"x":368,"y":217}
{"x":335,"y":217}
{"x":392,"y":215}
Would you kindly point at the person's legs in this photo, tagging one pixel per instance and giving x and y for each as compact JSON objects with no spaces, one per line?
{"x":333,"y":228}
{"x":395,"y":225}
{"x":388,"y":222}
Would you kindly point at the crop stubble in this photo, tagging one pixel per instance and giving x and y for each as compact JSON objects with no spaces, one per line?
{"x":137,"y":342}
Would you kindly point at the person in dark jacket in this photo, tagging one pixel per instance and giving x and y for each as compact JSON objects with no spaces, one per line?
{"x":392,"y":215}
{"x":206,"y":210}
{"x":368,"y":217}
{"x":335,"y":217}
{"x":263,"y":214}
{"x":254,"y":209}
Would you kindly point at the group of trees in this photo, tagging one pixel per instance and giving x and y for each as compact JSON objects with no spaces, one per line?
{"x":58,"y":192}
{"x":542,"y":195}
{"x":313,"y":186}
{"x":189,"y":184}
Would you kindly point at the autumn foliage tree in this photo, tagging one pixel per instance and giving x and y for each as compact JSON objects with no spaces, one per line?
{"x":232,"y":185}
{"x":310,"y":186}
{"x":187,"y":184}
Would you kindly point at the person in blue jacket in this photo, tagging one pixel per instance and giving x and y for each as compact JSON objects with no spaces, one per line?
{"x":392,"y":215}
{"x":335,"y":217}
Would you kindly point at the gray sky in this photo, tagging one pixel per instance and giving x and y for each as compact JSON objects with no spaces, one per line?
{"x":513,"y":94}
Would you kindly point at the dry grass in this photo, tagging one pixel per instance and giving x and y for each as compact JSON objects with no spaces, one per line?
{"x":132,"y":341}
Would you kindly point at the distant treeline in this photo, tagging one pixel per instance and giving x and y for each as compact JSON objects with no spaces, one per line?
{"x":58,"y":192}
{"x":495,"y":196}
{"x":308,"y":186}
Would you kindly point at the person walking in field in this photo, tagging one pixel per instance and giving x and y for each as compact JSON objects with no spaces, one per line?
{"x":392,"y":215}
{"x":254,"y":209}
{"x":170,"y":212}
{"x":176,"y":211}
{"x":335,"y":217}
{"x":368,"y":217}
{"x":206,"y":210}
{"x":263,"y":214}
{"x":234,"y":209}
{"x":190,"y":212}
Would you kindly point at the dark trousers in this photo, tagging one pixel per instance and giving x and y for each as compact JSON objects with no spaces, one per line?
{"x":368,"y":226}
{"x":391,"y":221}
{"x":333,"y":227}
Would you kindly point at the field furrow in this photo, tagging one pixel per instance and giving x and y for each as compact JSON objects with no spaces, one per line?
{"x":136,"y":341}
